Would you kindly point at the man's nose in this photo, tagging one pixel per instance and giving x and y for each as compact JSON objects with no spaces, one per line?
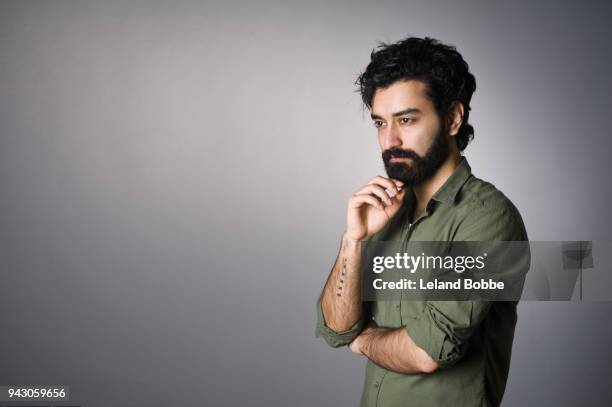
{"x":391,"y":137}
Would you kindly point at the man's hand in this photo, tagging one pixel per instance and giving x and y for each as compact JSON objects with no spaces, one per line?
{"x":371,"y":207}
{"x":358,"y":344}
{"x":355,"y":346}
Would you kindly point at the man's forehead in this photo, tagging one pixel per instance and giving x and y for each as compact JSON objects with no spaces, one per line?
{"x":399,"y":96}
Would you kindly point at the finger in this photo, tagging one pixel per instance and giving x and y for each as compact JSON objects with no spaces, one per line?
{"x":377,"y":190}
{"x":387,"y":192}
{"x":398,"y":183}
{"x":357,"y":201}
{"x":386,"y":183}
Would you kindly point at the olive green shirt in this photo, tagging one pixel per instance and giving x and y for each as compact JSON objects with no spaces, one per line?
{"x":470,"y":340}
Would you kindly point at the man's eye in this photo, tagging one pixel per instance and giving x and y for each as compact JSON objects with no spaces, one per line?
{"x":377,"y":123}
{"x":406,"y":120}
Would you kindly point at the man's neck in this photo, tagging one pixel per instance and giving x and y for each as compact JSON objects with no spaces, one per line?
{"x":424,"y":191}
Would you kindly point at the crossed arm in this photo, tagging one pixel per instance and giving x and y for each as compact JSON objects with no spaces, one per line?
{"x":391,"y":348}
{"x":445,"y":327}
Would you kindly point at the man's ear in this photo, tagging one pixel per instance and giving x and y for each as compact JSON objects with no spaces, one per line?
{"x":454,"y":118}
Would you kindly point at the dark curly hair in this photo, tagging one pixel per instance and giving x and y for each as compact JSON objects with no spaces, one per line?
{"x":439,"y":66}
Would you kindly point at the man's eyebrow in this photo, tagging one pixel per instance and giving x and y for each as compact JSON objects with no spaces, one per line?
{"x":400,"y":113}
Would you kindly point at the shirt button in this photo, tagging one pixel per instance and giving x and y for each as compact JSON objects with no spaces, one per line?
{"x":376,"y":384}
{"x":398,"y":307}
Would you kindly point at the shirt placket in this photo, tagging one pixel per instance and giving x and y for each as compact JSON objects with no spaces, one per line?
{"x":397,"y":311}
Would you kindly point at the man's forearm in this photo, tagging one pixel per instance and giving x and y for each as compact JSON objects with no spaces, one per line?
{"x":341,"y":301}
{"x":394,"y":349}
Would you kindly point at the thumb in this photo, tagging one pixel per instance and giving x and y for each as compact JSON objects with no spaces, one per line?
{"x":398,"y":200}
{"x":401,"y":193}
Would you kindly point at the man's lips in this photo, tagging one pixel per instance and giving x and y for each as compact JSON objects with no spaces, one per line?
{"x":398,"y":159}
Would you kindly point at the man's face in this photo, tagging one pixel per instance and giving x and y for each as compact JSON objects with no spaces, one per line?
{"x":412,"y":137}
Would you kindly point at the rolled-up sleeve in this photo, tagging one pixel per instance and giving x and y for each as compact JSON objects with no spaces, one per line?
{"x":443,"y":328}
{"x":333,"y":338}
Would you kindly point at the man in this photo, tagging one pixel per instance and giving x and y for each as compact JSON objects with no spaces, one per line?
{"x":422,"y":353}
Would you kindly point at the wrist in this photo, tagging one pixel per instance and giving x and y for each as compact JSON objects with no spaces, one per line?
{"x":349,"y":240}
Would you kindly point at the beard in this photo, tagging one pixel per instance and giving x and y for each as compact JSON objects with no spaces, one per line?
{"x":420,"y":168}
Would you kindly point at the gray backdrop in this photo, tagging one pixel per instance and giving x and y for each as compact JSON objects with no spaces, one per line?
{"x":174,"y":176}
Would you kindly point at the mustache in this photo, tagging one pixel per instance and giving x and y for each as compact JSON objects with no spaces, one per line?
{"x":398,"y":153}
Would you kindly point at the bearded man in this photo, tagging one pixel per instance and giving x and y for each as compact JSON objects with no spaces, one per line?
{"x":422,"y":353}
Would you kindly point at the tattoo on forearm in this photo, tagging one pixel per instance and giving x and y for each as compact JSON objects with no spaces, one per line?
{"x":341,"y":279}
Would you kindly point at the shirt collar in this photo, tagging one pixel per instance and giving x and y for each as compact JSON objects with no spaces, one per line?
{"x":448,"y":191}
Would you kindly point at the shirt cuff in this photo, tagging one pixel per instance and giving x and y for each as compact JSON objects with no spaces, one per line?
{"x":333,"y":338}
{"x":436,"y":339}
